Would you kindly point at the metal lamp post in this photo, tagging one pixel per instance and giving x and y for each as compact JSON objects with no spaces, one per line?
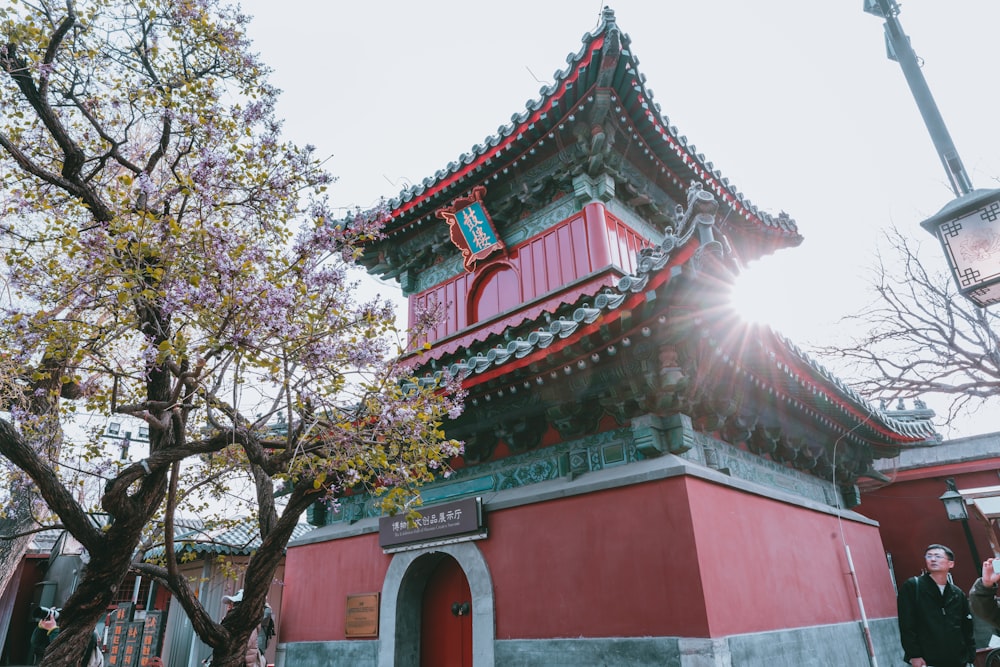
{"x":954,"y":505}
{"x":968,"y":227}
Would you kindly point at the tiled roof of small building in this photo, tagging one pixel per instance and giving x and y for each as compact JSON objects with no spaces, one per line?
{"x":240,"y":539}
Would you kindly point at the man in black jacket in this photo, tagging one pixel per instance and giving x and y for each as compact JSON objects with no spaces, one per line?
{"x":935,"y":623}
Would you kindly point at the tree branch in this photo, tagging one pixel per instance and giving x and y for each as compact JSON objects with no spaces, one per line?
{"x":922,"y":337}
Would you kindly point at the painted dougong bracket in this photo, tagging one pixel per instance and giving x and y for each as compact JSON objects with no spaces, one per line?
{"x":655,"y":435}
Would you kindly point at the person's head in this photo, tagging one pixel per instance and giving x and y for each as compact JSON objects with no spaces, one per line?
{"x":938,"y":558}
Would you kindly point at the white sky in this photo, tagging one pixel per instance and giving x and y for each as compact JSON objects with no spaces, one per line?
{"x":793,"y":100}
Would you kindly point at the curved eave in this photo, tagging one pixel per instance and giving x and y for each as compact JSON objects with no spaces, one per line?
{"x":202,"y":548}
{"x":604,"y":63}
{"x":479,"y":336}
{"x":806,"y":381}
{"x":511,"y":143}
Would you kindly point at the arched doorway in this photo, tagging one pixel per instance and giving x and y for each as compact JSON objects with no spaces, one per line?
{"x":410,"y":574}
{"x":446,"y":617}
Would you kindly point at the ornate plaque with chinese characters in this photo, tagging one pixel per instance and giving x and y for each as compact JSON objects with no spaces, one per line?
{"x":471,"y":228}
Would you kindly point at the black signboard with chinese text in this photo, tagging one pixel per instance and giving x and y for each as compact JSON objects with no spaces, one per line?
{"x":152,"y":637}
{"x":120,"y":621}
{"x":447,"y":520}
{"x":133,"y":639}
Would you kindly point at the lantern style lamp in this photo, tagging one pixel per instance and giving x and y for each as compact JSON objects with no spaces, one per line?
{"x":954,"y":503}
{"x":969,"y":226}
{"x":969,"y":231}
{"x":954,"y":506}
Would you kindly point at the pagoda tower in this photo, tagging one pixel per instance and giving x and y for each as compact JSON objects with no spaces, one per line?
{"x":647,"y":480}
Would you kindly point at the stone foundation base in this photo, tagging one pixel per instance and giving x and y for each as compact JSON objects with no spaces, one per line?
{"x":817,"y":646}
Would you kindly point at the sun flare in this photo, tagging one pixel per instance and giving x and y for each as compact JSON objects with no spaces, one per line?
{"x":758,"y":297}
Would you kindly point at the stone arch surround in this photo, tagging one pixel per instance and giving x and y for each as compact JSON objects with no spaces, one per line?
{"x":402,"y":590}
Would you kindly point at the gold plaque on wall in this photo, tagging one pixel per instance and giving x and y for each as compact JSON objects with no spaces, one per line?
{"x":362,"y":615}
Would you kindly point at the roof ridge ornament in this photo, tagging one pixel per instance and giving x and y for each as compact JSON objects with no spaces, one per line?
{"x":702,"y":206}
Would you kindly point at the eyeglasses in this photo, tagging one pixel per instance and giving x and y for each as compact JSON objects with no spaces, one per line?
{"x":936,"y":557}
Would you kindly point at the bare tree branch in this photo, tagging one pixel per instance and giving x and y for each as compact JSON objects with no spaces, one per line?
{"x":921,"y":337}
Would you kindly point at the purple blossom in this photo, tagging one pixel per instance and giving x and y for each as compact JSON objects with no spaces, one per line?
{"x":236,"y":253}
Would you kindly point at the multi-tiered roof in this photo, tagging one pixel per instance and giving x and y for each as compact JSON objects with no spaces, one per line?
{"x":660,"y":341}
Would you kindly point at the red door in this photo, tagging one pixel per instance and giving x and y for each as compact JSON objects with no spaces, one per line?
{"x":446,"y":618}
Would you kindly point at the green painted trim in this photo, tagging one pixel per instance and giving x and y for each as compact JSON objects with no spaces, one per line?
{"x":646,"y":437}
{"x":454,"y":490}
{"x":587,"y":454}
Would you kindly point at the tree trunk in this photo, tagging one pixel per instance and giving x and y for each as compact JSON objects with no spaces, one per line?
{"x":98,"y":584}
{"x":231,"y":655}
{"x":67,"y":649}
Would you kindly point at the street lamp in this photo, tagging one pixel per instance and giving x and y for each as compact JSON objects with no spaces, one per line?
{"x":954,"y":503}
{"x":954,"y":506}
{"x":968,"y":227}
{"x":969,"y":232}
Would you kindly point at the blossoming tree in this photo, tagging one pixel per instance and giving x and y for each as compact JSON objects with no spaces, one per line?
{"x":166,"y":255}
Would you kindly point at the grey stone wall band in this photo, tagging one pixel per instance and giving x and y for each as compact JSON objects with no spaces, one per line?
{"x":816,"y":646}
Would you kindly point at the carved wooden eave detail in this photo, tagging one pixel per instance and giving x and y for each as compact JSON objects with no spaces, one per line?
{"x":524,"y":433}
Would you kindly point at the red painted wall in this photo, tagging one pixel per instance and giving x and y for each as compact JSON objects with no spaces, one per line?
{"x":613,"y":563}
{"x":760,"y":559}
{"x":655,"y":550}
{"x":675,"y":557}
{"x":318,"y":579}
{"x":577,"y":247}
{"x":911,"y":516}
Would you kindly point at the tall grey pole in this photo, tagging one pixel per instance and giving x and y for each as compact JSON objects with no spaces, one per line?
{"x":903,"y":52}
